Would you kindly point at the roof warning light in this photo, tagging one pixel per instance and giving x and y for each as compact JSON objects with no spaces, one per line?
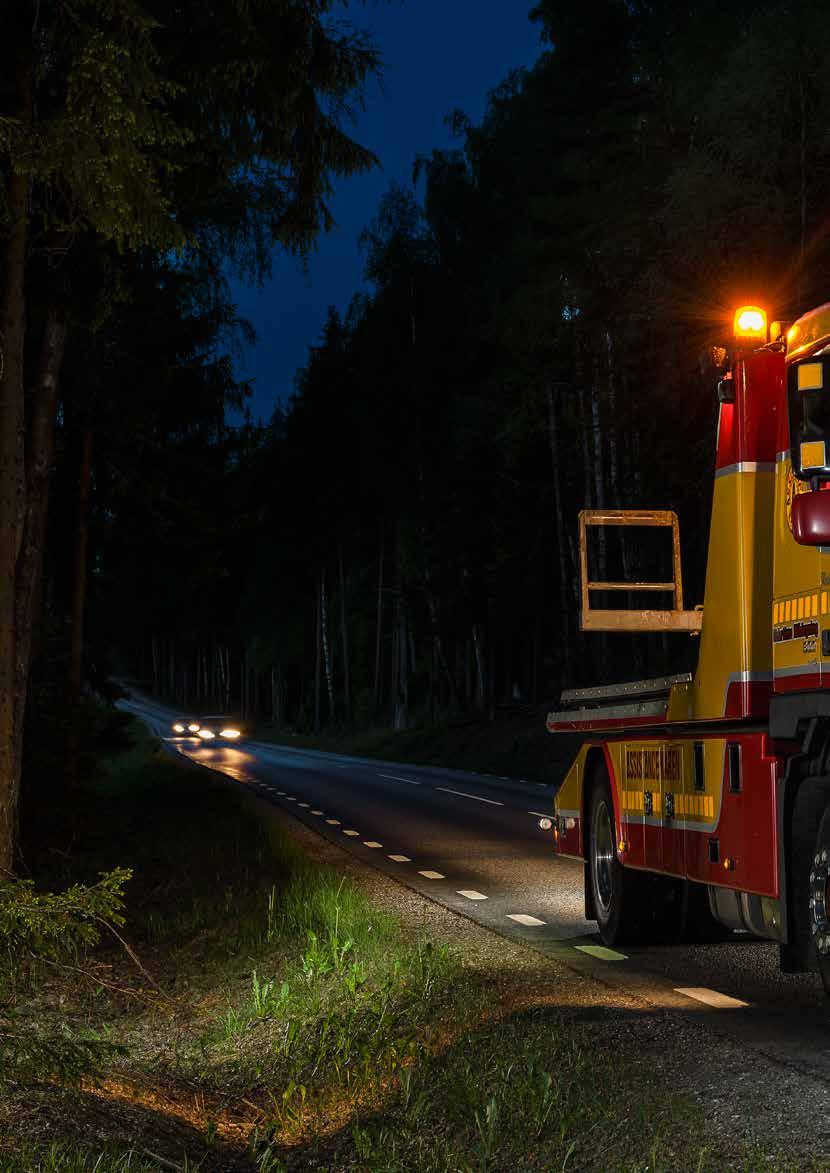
{"x":750,"y":324}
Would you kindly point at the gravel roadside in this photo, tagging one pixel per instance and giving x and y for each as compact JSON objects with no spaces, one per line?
{"x":747,"y":1099}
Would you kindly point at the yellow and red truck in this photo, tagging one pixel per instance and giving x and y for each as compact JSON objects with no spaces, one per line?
{"x":705,"y":797}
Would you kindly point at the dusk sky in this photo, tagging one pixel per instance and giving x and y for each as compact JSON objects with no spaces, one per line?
{"x":438,"y":55}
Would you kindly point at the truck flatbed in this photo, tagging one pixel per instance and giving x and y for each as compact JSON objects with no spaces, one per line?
{"x":611,"y":706}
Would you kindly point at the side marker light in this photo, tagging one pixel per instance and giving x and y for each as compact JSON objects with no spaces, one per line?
{"x":729,"y":864}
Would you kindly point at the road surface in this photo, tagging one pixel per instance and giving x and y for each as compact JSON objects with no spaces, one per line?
{"x":473,"y":843}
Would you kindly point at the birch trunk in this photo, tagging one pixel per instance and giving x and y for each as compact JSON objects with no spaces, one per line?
{"x":565,"y":589}
{"x":481,"y":684}
{"x":345,"y":635}
{"x":317,"y":664}
{"x":379,"y":626}
{"x":324,"y":628}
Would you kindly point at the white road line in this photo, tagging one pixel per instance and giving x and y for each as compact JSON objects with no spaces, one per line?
{"x":602,"y":953}
{"x":395,"y":778}
{"x":371,"y":843}
{"x":400,"y":858}
{"x":281,"y":793}
{"x":352,"y":833}
{"x":303,"y":804}
{"x":710,"y":997}
{"x":463,"y":794}
{"x":428,"y":875}
{"x":471,"y":894}
{"x":318,"y":812}
{"x":522,"y":918}
{"x":333,"y":822}
{"x":290,"y":799}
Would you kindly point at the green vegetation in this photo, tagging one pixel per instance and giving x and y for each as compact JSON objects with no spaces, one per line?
{"x":283,"y":1018}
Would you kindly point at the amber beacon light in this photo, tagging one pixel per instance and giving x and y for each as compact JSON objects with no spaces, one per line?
{"x":750,"y":324}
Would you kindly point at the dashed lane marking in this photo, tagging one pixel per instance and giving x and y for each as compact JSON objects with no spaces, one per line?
{"x":711,"y":997}
{"x":371,"y":843}
{"x":602,"y":953}
{"x":463,"y":794}
{"x":281,"y":793}
{"x":305,"y":804}
{"x":428,"y":875}
{"x":318,"y":812}
{"x":522,"y":918}
{"x":471,"y":894}
{"x":396,"y":778}
{"x":399,"y":858}
{"x":333,"y":822}
{"x":290,"y":799}
{"x":353,"y":834}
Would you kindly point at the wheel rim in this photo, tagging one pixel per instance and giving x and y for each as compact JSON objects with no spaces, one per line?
{"x":603,"y":857}
{"x":820,"y":901}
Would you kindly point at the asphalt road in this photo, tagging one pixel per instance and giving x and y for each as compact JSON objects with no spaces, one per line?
{"x":472,"y":843}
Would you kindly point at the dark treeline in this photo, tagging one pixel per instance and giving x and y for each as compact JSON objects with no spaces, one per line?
{"x":146,"y":149}
{"x":400,"y":545}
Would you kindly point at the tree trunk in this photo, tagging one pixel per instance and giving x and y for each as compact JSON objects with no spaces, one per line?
{"x":76,"y":645}
{"x":345,"y":634}
{"x":379,"y":626}
{"x":324,"y":629}
{"x":481,"y":685}
{"x":565,"y":587}
{"x":12,"y":336}
{"x":317,"y":661}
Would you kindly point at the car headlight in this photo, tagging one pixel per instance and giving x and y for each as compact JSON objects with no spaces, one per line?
{"x":177,"y":728}
{"x":207,"y":734}
{"x":194,"y":728}
{"x":230,"y":734}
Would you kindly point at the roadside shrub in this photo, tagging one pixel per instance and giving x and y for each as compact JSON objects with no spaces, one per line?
{"x":40,"y":931}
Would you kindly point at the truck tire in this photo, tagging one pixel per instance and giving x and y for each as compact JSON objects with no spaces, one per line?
{"x":614,"y":889}
{"x":818,"y":899}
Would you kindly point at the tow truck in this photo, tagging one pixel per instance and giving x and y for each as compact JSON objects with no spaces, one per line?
{"x":702,"y":799}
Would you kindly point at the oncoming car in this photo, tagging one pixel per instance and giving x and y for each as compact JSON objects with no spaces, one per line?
{"x":211,"y":729}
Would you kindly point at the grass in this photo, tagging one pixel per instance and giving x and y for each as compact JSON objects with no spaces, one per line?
{"x":293,"y":1023}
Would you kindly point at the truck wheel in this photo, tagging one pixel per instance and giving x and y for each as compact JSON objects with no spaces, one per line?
{"x":818,"y":901}
{"x":613,"y":888}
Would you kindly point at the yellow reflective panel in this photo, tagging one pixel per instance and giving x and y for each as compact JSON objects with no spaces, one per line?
{"x":809,"y":376}
{"x":800,"y":608}
{"x":813,"y":454}
{"x":824,"y":602}
{"x":815,"y":604}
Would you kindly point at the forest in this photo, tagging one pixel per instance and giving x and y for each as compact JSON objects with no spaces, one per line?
{"x":397,"y":544}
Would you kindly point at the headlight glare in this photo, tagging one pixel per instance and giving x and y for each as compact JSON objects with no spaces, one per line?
{"x":178,"y":728}
{"x":230,"y":734}
{"x":207,"y":734}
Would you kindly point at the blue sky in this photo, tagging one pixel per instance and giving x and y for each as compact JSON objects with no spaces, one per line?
{"x":439,"y":55}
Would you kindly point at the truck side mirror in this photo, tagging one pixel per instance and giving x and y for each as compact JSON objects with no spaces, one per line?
{"x":811,"y":519}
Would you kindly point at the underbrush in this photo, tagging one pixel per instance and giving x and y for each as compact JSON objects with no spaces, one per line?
{"x":286,"y":1021}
